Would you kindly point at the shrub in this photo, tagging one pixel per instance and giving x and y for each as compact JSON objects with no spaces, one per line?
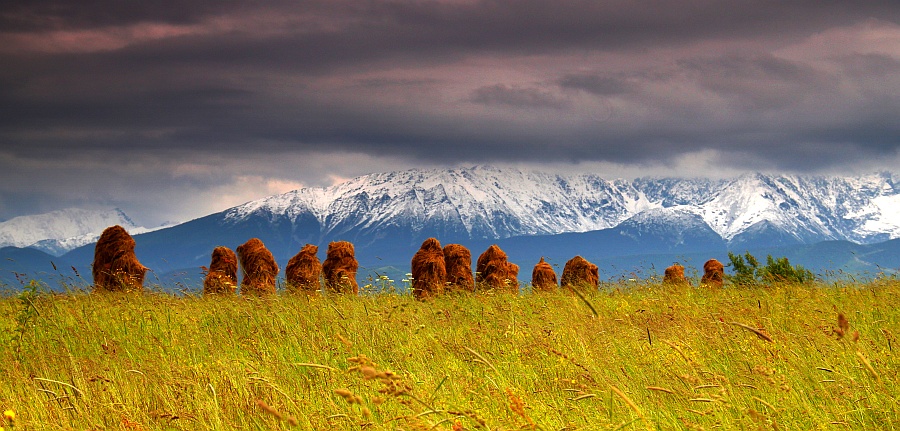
{"x":748,"y":272}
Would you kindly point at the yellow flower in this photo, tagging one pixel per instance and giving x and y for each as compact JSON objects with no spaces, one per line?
{"x":10,"y":415}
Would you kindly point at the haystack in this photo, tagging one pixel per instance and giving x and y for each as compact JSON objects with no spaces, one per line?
{"x":494,"y":271}
{"x":116,"y":267}
{"x":543,"y":277}
{"x":674,"y":275}
{"x":304,"y":270}
{"x":713,"y":274}
{"x":340,"y":268}
{"x":221,"y":277}
{"x":258,"y":267}
{"x":579,"y":273}
{"x":429,"y":272}
{"x":458,"y":262}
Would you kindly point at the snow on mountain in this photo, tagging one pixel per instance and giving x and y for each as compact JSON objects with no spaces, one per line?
{"x":59,"y":231}
{"x":879,"y":217}
{"x":483,"y":202}
{"x":487,"y":202}
{"x":810,"y":209}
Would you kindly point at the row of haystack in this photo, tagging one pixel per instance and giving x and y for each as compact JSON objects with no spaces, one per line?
{"x":713,"y":274}
{"x":116,"y":267}
{"x":302,"y":273}
{"x":435,"y":270}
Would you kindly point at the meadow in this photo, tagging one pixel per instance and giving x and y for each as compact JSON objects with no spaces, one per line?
{"x":629,"y":356}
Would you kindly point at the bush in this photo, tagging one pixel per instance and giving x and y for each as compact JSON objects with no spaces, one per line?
{"x":780,"y":271}
{"x":744,"y":272}
{"x":747,"y":271}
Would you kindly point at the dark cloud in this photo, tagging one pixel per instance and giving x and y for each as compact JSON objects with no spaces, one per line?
{"x":44,"y":15}
{"x":500,"y":94}
{"x":794,"y":85}
{"x":599,"y":84}
{"x":758,"y":81}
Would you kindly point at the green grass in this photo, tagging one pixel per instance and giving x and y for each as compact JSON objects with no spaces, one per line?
{"x":654,"y":358}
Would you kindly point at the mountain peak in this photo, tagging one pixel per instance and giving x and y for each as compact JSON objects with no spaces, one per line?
{"x":485,"y":201}
{"x":59,"y":231}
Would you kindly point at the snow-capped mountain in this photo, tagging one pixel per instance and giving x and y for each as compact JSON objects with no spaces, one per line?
{"x":478,"y":203}
{"x":488,"y":202}
{"x":60,"y":231}
{"x":532,"y":214}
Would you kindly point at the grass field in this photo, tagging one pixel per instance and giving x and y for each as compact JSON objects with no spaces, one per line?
{"x":651,"y":358}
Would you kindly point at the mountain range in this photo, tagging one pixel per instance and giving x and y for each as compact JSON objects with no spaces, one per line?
{"x":617,"y":223}
{"x":57,"y":232}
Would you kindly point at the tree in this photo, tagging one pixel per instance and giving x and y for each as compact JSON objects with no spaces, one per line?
{"x":744,"y":272}
{"x":747,"y":271}
{"x":780,"y":271}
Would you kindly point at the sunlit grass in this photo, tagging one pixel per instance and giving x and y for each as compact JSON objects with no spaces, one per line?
{"x":654,"y":357}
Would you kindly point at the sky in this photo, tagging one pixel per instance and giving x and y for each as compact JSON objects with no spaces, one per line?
{"x":175,"y":110}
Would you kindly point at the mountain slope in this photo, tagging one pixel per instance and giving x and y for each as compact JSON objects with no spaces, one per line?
{"x":481,"y":202}
{"x":805,"y":209}
{"x":487,"y":202}
{"x":388,"y":215}
{"x":59,"y":231}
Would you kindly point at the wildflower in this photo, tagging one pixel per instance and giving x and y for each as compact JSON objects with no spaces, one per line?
{"x":10,"y":415}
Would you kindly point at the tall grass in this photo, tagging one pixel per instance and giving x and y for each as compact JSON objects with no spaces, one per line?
{"x":652,"y":357}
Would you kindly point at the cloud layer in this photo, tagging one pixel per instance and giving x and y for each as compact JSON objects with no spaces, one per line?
{"x":123,"y":102}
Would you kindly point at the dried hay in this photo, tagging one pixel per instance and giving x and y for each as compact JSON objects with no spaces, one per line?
{"x":543,"y":277}
{"x":674,"y":275}
{"x":495,"y":272}
{"x":429,"y":272}
{"x":340,"y":268}
{"x":713,"y":274}
{"x":304,"y":270}
{"x":258,"y":267}
{"x":221,"y":277}
{"x":579,"y":273}
{"x":116,"y":267}
{"x":458,"y":262}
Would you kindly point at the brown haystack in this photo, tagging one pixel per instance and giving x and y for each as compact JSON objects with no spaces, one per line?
{"x":543,"y":277}
{"x":116,"y":267}
{"x":304,"y":270}
{"x":494,"y":271}
{"x":458,"y":262}
{"x":580,"y":273}
{"x":340,"y":268}
{"x":429,"y":271}
{"x":258,"y":267}
{"x":713,"y":273}
{"x":221,"y":277}
{"x":674,"y":275}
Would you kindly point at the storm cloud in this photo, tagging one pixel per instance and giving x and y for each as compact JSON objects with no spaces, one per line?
{"x":126,"y":103}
